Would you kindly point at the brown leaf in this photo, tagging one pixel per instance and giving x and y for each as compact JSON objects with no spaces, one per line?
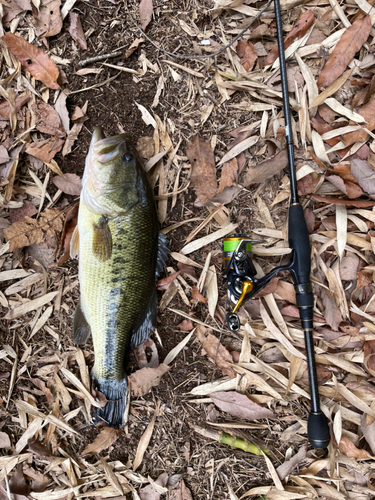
{"x":247,"y":54}
{"x":141,"y":356}
{"x":69,"y":184}
{"x":70,"y":224}
{"x":229,"y":174}
{"x":145,"y":12}
{"x":141,"y":381}
{"x":286,"y":468}
{"x":163,"y":284}
{"x":348,"y":268}
{"x":14,"y":8}
{"x":343,"y":170}
{"x":240,"y":406}
{"x":303,"y":23}
{"x":37,"y":448}
{"x":196,"y":295}
{"x":133,"y":47}
{"x":17,"y":483}
{"x":47,"y":119}
{"x":215,"y":350}
{"x":5,"y":109}
{"x":149,"y":492}
{"x":369,"y":353}
{"x":349,"y":44}
{"x":4,"y":440}
{"x":42,"y":386}
{"x":332,"y":314}
{"x":343,"y":201}
{"x":27,"y":210}
{"x":368,"y":432}
{"x":203,"y":172}
{"x":186,"y":325}
{"x":76,"y":31}
{"x":351,"y":451}
{"x":349,"y":188}
{"x":45,"y":150}
{"x":103,"y":440}
{"x":31,"y":231}
{"x":181,"y":492}
{"x":363,"y":174}
{"x":49,"y":21}
{"x":266,"y":169}
{"x":37,"y":63}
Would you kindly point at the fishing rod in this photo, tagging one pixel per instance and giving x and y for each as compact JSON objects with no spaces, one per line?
{"x":240,"y":271}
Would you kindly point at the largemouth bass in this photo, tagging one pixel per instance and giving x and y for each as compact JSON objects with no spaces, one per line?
{"x":120,"y":254}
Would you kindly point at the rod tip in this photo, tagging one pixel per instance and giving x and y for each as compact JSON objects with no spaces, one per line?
{"x":318,"y":430}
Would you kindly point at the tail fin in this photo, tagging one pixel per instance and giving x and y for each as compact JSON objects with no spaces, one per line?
{"x":116,"y":392}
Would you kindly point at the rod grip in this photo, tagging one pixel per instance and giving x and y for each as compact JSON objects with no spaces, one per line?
{"x":318,"y":430}
{"x":300,"y":243}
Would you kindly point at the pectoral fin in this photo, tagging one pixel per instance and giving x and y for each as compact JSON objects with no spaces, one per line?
{"x":81,"y":329}
{"x":162,"y":254}
{"x":74,"y":244}
{"x":102,"y":240}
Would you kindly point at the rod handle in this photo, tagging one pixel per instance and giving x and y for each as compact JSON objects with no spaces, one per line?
{"x":300,"y":243}
{"x":318,"y":430}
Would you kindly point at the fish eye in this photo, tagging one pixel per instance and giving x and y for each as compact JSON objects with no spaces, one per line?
{"x":128,"y":157}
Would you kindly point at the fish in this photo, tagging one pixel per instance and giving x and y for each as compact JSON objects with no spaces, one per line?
{"x":121,"y":254}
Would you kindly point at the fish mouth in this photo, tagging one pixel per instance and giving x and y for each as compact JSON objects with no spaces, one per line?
{"x":106,"y":149}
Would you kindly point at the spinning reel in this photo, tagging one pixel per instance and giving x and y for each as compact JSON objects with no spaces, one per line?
{"x":239,"y":274}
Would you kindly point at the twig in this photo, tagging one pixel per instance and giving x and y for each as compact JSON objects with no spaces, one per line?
{"x":206,"y":56}
{"x":102,"y":56}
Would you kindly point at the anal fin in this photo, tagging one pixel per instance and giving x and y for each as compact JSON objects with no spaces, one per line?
{"x":162,"y":254}
{"x":145,"y":326}
{"x":81,"y":329}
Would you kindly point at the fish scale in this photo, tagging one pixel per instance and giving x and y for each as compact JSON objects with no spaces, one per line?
{"x":118,"y":256}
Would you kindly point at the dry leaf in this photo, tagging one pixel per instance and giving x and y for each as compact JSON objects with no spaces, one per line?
{"x":4,"y":440}
{"x":5,"y":109}
{"x":363,"y":174}
{"x":49,"y":22}
{"x":145,"y":12}
{"x":76,"y":31}
{"x":144,"y":441}
{"x":286,"y":468}
{"x":12,"y":9}
{"x":105,"y":438}
{"x":45,"y":150}
{"x":247,"y":54}
{"x":70,"y":224}
{"x":181,"y":492}
{"x":18,"y":214}
{"x":47,"y":119}
{"x":69,"y":184}
{"x":203,"y":172}
{"x":351,"y":451}
{"x":196,"y":295}
{"x":304,"y":22}
{"x":266,"y":169}
{"x":37,"y":63}
{"x":349,"y":44}
{"x":229,"y":174}
{"x":215,"y":350}
{"x":240,"y":406}
{"x":31,"y":231}
{"x":163,"y":284}
{"x":141,"y":381}
{"x":149,"y":492}
{"x":368,"y":432}
{"x":342,"y":201}
{"x":369,"y":353}
{"x":133,"y":47}
{"x":17,"y":483}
